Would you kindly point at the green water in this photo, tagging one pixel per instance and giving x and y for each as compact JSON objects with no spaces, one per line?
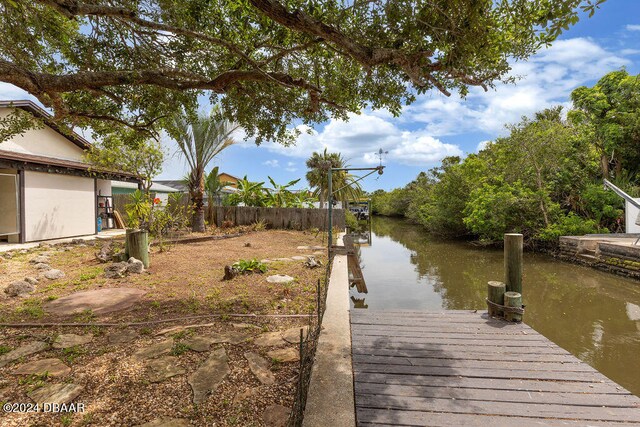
{"x":594,"y":315}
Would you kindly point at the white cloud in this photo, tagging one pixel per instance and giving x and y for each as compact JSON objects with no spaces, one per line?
{"x":632,"y":27}
{"x":482,"y":145}
{"x":273,"y":163}
{"x":291,"y":167}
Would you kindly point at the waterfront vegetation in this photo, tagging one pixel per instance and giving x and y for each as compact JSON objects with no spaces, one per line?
{"x":543,"y":179}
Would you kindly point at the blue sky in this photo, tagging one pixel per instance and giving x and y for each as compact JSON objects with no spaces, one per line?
{"x":436,"y":126}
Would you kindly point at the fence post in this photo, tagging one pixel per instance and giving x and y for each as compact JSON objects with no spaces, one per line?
{"x":495,"y":294}
{"x":513,"y":262}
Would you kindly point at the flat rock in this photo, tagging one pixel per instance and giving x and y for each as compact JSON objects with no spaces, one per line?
{"x":40,"y":259}
{"x":116,"y":271}
{"x":42,"y":266}
{"x":162,"y":368}
{"x":299,"y":258}
{"x":53,"y":367}
{"x":154,"y":350}
{"x":31,"y":280}
{"x":209,"y":375}
{"x":266,"y":261}
{"x":244,"y":395}
{"x":183,"y":328}
{"x":166,"y":422}
{"x":122,"y":337}
{"x":56,"y":393}
{"x":22,"y":351}
{"x":198,"y":343}
{"x":293,"y":335}
{"x":285,"y":354}
{"x":260,"y":368}
{"x":318,"y":252}
{"x":283,"y":259}
{"x":19,"y":288}
{"x":100,"y":301}
{"x":276,"y":415}
{"x":310,"y":248}
{"x":71,"y":340}
{"x":53,"y":274}
{"x":280,"y":278}
{"x":244,"y":326}
{"x":231,"y":337}
{"x":269,"y":339}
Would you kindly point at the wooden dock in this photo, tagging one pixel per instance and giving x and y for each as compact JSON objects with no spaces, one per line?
{"x":461,"y":368}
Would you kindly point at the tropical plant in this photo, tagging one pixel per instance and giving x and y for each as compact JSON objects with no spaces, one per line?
{"x":344,"y":185}
{"x":280,"y":196}
{"x":200,"y":139}
{"x":138,"y":210}
{"x":248,"y":193}
{"x":247,"y":266}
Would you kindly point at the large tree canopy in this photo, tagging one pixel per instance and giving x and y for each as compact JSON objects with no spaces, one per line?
{"x":127,"y":63}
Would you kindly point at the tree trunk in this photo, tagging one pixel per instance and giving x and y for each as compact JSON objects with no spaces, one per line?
{"x":604,"y":165}
{"x":197,"y":225}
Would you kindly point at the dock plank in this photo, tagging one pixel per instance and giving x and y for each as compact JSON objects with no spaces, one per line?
{"x":463,"y":368}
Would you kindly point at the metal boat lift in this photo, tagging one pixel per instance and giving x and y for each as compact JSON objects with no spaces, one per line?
{"x":628,"y":198}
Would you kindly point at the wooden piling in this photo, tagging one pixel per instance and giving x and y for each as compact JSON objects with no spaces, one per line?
{"x":513,"y":262}
{"x":137,"y":245}
{"x":495,"y":294}
{"x":512,"y":299}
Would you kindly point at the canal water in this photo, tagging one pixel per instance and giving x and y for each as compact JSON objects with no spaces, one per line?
{"x":594,"y":315}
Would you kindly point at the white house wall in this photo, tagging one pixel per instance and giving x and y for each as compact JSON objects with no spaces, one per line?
{"x":631,"y":213}
{"x":58,"y":206}
{"x":8,"y":204}
{"x":103,"y":187}
{"x":42,"y":142}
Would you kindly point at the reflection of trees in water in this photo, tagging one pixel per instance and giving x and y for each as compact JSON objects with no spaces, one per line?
{"x":582,"y":310}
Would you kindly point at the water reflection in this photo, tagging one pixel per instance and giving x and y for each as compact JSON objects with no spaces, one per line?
{"x":594,"y":315}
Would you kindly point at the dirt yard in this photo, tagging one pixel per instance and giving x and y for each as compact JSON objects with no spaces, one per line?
{"x":199,"y":370}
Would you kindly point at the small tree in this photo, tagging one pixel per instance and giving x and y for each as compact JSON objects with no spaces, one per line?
{"x":343,"y":183}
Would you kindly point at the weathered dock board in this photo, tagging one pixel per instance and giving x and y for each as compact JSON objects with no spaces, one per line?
{"x":461,"y":368}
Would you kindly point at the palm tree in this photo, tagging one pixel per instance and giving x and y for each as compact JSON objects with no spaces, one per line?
{"x":200,"y":140}
{"x":343,"y":183}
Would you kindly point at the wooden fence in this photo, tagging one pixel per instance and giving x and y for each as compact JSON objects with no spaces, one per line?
{"x":283,"y":218}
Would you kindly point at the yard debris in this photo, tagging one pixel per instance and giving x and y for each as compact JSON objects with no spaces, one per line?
{"x":53,"y":274}
{"x":21,"y":287}
{"x":312,"y":262}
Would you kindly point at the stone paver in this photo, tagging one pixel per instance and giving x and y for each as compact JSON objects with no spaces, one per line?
{"x":166,"y":422}
{"x":162,"y":368}
{"x":244,"y":395}
{"x":285,"y":354}
{"x":244,"y":326}
{"x":209,"y":375}
{"x":280,"y":278}
{"x":269,"y":339}
{"x":71,"y":340}
{"x":53,"y":274}
{"x":22,"y":351}
{"x":260,"y":368}
{"x":293,"y":335}
{"x":154,"y":350}
{"x":122,"y":337}
{"x":198,"y":343}
{"x":276,"y":415}
{"x":56,"y":393}
{"x":100,"y":301}
{"x":232,"y":337}
{"x":53,"y":367}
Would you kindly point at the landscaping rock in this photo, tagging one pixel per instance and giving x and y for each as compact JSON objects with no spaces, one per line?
{"x":40,"y":259}
{"x":276,"y":415}
{"x":260,"y":368}
{"x":283,"y":259}
{"x":269,"y":339}
{"x":244,"y":395}
{"x":280,"y":278}
{"x":22,"y":351}
{"x":198,"y":343}
{"x":166,"y":422}
{"x":42,"y":266}
{"x":116,"y":271}
{"x":183,"y":328}
{"x":135,"y":266}
{"x":230,"y":272}
{"x":106,"y":252}
{"x":231,"y":337}
{"x":162,"y":368}
{"x":99,"y":301}
{"x":31,"y":280}
{"x":56,"y":393}
{"x":209,"y":375}
{"x":53,"y":367}
{"x":53,"y":274}
{"x":122,"y":337}
{"x":285,"y":355}
{"x":19,"y":288}
{"x":293,"y":335}
{"x":310,"y":248}
{"x":77,"y":242}
{"x":7,"y":255}
{"x":244,"y":326}
{"x":71,"y":340}
{"x":154,"y":350}
{"x":298,"y":258}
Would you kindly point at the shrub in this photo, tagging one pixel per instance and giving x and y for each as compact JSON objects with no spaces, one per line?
{"x":569,"y":225}
{"x":246,"y":266}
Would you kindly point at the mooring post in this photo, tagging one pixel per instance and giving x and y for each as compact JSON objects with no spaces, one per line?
{"x":512,"y":299}
{"x":513,"y":262}
{"x":495,"y":294}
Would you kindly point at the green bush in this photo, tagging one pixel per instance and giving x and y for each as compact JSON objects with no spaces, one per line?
{"x":246,"y":266}
{"x":569,"y":225}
